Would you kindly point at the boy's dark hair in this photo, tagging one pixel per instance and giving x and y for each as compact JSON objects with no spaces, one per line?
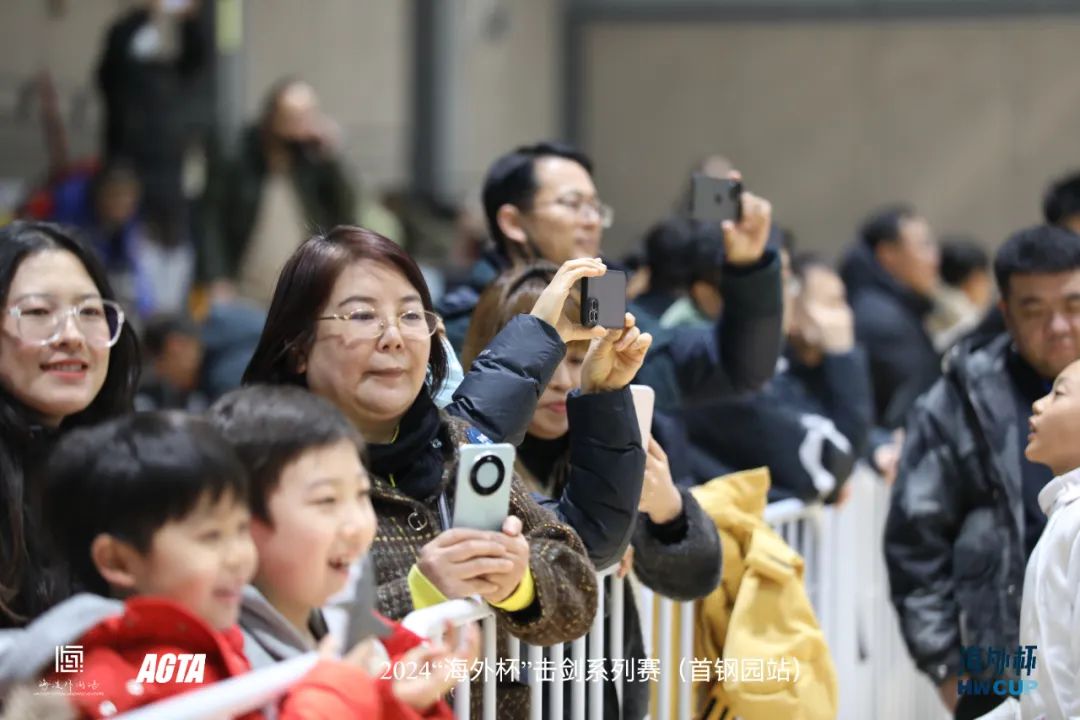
{"x":960,"y":258}
{"x":511,"y":180}
{"x":884,"y":225}
{"x":707,"y":261}
{"x":1062,"y":199}
{"x":1036,"y":250}
{"x":269,"y":426}
{"x":128,"y":477}
{"x":159,"y":327}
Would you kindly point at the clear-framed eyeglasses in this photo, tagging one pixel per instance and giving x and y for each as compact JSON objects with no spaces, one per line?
{"x":365,"y":324}
{"x":584,"y":208}
{"x":41,"y":320}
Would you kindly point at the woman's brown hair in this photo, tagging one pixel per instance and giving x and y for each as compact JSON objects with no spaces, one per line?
{"x":303,"y":289}
{"x":513,"y":293}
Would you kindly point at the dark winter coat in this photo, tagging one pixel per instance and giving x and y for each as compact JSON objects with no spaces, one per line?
{"x":954,"y":539}
{"x":889,"y":325}
{"x":326,"y":198}
{"x":599,"y":465}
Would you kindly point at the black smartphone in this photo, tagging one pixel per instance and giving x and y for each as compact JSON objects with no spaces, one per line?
{"x":603,"y":300}
{"x":715,"y":199}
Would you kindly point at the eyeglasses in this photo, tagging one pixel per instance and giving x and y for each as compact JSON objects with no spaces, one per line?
{"x":41,"y":320}
{"x":368,"y":325}
{"x":580,"y":206}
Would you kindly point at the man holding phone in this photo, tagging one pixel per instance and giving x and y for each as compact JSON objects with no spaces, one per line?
{"x":540,"y":202}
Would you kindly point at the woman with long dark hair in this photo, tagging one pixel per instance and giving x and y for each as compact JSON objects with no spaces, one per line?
{"x":67,"y":359}
{"x":352,"y":321}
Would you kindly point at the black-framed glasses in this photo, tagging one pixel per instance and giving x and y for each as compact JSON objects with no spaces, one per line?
{"x":367,"y":324}
{"x":40,"y":320}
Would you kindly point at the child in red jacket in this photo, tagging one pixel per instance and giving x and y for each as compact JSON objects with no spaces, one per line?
{"x":153,"y":507}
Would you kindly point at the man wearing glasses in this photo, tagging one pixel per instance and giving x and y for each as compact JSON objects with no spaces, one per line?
{"x":540,"y":202}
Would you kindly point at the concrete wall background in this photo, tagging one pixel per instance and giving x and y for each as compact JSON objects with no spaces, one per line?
{"x":967,"y":118}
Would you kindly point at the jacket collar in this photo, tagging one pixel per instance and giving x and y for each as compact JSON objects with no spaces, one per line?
{"x":1059,"y":492}
{"x":982,"y":379}
{"x":269,"y":628}
{"x":861,"y":271}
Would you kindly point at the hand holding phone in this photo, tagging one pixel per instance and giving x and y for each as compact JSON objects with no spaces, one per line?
{"x":551,"y":305}
{"x":603,"y":300}
{"x":517,"y":551}
{"x":715,"y":200}
{"x":746,"y":223}
{"x":613,"y":360}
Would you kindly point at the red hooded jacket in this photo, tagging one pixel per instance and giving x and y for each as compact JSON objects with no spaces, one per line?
{"x":116,"y":649}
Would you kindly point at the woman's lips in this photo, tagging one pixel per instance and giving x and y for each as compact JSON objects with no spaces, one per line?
{"x":387,"y":374}
{"x":555,"y":407}
{"x":67,"y":369}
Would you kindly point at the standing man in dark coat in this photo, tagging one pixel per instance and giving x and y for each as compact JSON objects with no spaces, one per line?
{"x":287,"y":182}
{"x":151,"y":59}
{"x":891,"y":274}
{"x":965,"y":515}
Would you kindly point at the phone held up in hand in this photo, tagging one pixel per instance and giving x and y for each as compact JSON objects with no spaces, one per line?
{"x":482,"y":495}
{"x":715,"y":200}
{"x":603,"y":300}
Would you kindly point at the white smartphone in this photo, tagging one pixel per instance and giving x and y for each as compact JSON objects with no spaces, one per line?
{"x":482,"y":493}
{"x":644,"y":401}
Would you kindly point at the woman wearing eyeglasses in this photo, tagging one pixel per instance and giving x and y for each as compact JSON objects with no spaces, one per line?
{"x":352,"y":320}
{"x":66,"y":359}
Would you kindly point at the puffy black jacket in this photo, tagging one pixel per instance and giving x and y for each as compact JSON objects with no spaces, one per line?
{"x":601,"y":465}
{"x":954,"y":537}
{"x":499,"y":393}
{"x":691,"y":365}
{"x":889,"y":325}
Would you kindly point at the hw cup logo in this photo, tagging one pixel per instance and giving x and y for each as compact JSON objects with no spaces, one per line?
{"x":69,"y":659}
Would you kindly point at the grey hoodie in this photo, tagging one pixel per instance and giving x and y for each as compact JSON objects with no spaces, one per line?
{"x":25,"y":653}
{"x":268,"y":636}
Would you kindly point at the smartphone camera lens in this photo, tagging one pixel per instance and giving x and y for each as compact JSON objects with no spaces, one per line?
{"x":593,"y":314}
{"x":487,"y":475}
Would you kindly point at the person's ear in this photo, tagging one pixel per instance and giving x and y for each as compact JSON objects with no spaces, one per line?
{"x":1003,"y":308}
{"x":886,"y":254}
{"x":510,"y":221}
{"x":115,"y":560}
{"x":298,"y":354}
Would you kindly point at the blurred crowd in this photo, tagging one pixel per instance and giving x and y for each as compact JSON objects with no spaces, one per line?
{"x":190,"y":272}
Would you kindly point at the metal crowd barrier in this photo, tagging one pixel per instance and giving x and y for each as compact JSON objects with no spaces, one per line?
{"x":845,"y":579}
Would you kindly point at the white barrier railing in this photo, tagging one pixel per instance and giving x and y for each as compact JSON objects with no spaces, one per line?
{"x":230,"y":698}
{"x":845,"y":578}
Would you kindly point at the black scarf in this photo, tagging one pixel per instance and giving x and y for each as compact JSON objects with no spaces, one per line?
{"x":413,"y":462}
{"x":546,"y":461}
